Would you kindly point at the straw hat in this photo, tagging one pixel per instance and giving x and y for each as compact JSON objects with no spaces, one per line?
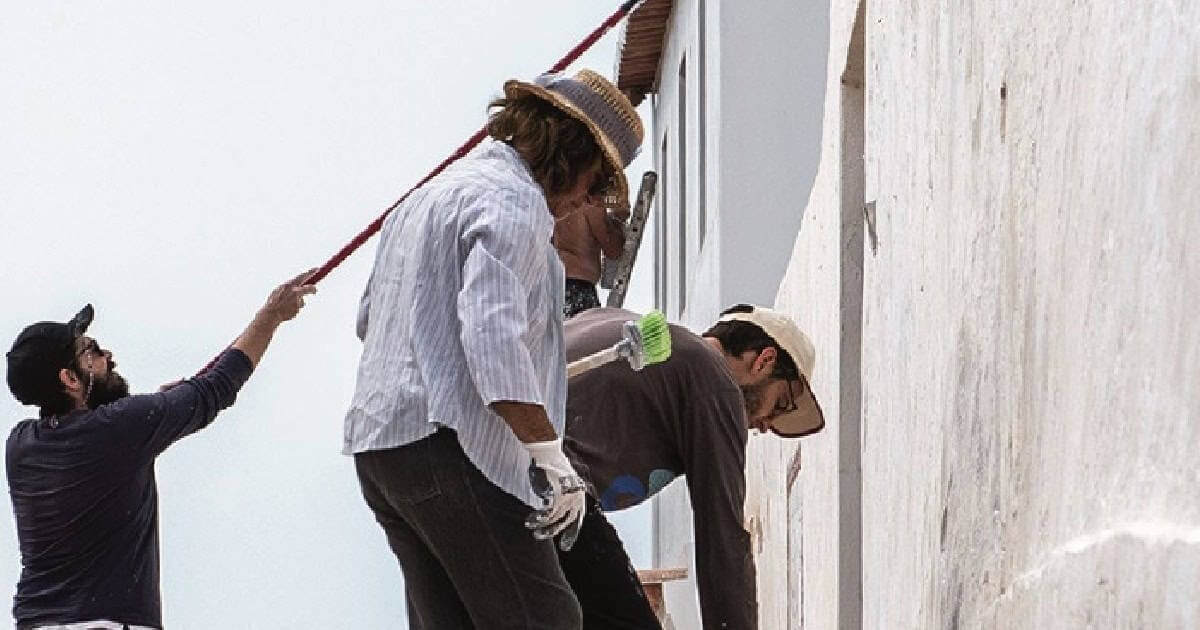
{"x":596,"y":102}
{"x":808,"y":417}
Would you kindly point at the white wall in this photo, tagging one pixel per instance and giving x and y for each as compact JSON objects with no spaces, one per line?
{"x":771,"y":77}
{"x":753,"y":83}
{"x":1030,"y":348}
{"x":752,"y":121}
{"x":804,"y":523}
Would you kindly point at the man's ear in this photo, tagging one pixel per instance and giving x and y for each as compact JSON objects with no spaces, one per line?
{"x":764,"y":363}
{"x":70,"y":381}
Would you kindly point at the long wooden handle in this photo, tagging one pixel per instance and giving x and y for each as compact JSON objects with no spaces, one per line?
{"x":593,"y":361}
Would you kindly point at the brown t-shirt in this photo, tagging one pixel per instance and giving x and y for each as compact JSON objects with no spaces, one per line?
{"x":630,"y":433}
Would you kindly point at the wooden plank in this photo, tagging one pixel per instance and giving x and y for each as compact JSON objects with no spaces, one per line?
{"x":658,"y":576}
{"x":641,"y":46}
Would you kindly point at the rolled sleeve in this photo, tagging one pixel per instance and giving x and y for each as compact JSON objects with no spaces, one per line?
{"x":504,"y":262}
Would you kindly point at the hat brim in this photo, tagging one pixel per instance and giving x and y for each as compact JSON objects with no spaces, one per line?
{"x":805,"y":420}
{"x":79,"y":324}
{"x":514,"y":88}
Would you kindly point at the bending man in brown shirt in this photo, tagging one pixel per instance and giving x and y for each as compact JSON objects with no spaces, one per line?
{"x":630,"y":433}
{"x":580,"y":239}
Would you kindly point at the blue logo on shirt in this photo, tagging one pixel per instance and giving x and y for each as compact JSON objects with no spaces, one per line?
{"x":627,"y":490}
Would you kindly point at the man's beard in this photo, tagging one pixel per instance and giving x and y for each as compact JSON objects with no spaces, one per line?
{"x":752,"y":397}
{"x":109,"y":389}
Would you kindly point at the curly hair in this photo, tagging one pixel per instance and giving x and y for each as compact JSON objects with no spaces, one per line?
{"x":558,"y":148}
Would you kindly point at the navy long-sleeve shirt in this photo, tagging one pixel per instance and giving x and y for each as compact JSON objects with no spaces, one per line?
{"x":86,"y":502}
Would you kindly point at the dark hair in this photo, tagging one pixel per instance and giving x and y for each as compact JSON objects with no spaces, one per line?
{"x":558,"y":147}
{"x":60,"y":402}
{"x":739,"y":336}
{"x":58,"y":405}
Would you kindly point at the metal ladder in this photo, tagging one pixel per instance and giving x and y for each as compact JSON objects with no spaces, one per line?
{"x":614,"y":274}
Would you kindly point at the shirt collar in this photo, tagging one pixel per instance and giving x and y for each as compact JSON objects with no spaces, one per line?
{"x":495,"y":149}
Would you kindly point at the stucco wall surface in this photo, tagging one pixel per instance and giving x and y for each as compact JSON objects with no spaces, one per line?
{"x":792,"y":514}
{"x":760,"y":86}
{"x":1031,"y":351}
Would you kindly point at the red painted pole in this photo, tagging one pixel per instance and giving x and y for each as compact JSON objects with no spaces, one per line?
{"x":466,"y":147}
{"x":362,"y":237}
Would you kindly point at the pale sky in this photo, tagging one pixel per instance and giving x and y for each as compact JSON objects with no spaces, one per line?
{"x":170,"y":163}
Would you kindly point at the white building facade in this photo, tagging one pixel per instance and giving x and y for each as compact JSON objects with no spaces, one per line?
{"x":734,"y":168}
{"x":984,"y":214}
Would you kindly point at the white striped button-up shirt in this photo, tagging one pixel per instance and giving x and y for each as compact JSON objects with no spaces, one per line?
{"x":463,"y":309}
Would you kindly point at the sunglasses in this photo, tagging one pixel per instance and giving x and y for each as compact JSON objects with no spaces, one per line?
{"x":788,"y":405}
{"x":90,"y":346}
{"x":602,"y":183}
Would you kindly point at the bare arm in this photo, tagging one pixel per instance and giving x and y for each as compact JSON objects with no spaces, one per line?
{"x":528,"y":422}
{"x":609,"y":231}
{"x":283,"y":304}
{"x":152,"y":422}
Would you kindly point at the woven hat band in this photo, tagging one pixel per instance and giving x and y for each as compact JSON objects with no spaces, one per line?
{"x":598,"y":109}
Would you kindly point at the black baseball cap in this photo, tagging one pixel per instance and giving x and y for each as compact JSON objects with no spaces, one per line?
{"x":39,"y":352}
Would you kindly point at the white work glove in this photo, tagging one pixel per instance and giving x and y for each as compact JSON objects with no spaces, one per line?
{"x":562,"y":491}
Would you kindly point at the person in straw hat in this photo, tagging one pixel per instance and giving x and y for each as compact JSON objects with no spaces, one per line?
{"x":457,"y":417}
{"x":630,"y":433}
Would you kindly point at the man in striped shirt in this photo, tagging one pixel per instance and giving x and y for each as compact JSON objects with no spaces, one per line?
{"x":457,"y":418}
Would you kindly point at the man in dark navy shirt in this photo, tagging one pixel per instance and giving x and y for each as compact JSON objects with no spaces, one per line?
{"x":81,"y":475}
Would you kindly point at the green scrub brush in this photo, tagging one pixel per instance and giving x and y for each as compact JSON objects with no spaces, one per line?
{"x":644,"y":342}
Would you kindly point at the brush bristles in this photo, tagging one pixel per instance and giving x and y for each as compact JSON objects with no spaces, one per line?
{"x":656,"y":337}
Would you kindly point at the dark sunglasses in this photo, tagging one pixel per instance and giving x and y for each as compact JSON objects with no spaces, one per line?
{"x":789,"y":405}
{"x":92,"y":347}
{"x":602,"y":183}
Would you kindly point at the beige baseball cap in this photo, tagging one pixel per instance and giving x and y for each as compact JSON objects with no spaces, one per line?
{"x":808,"y":417}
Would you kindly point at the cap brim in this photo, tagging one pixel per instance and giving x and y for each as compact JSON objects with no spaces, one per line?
{"x":79,"y":324}
{"x":514,"y":88}
{"x":805,"y":420}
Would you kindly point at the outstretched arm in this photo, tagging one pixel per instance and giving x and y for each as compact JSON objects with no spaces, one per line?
{"x":282,"y":305}
{"x":149,"y":423}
